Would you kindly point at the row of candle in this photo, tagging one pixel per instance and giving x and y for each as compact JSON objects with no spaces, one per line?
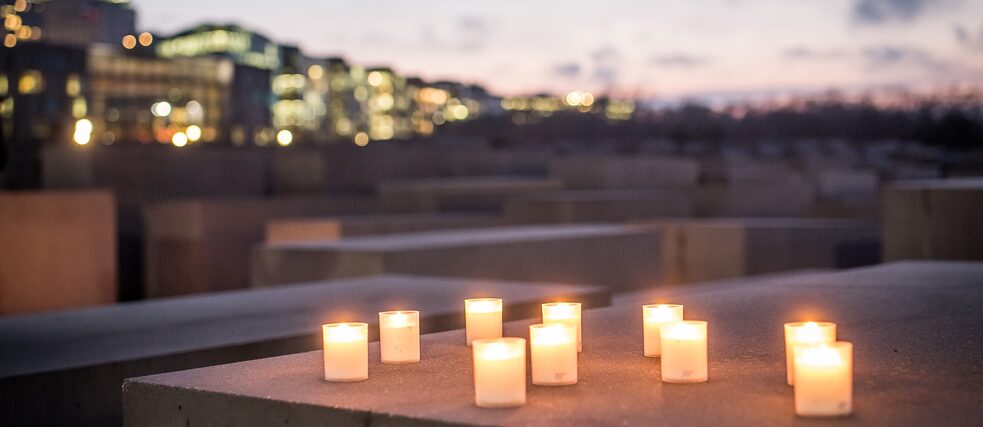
{"x":817,"y":365}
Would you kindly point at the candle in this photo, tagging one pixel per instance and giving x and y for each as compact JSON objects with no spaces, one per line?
{"x":346,"y":351}
{"x":808,"y":333}
{"x":499,"y":372}
{"x":653,"y":317}
{"x":482,"y":318}
{"x":399,"y":336}
{"x":824,"y":379}
{"x":684,"y":351}
{"x":564,"y":312}
{"x":554,"y":354}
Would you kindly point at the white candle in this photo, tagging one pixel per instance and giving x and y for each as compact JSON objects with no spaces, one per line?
{"x":684,"y":351}
{"x":346,"y":351}
{"x":824,"y":380}
{"x":554,"y":354}
{"x":804,"y":333}
{"x":653,"y":317}
{"x":399,"y":336}
{"x":499,"y":372}
{"x":564,"y":312}
{"x":482,"y":318}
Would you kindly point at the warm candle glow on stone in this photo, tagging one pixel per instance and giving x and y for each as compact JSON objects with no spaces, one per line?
{"x":824,"y":379}
{"x":346,"y":351}
{"x":653,"y":317}
{"x":499,"y":372}
{"x":482,"y":318}
{"x":554,"y":354}
{"x":804,"y":333}
{"x":684,"y":352}
{"x":399,"y":336}
{"x":564,"y":312}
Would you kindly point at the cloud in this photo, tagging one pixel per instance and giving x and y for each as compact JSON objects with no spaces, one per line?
{"x":887,"y":56}
{"x":884,"y":11}
{"x":567,"y":69}
{"x":605,"y":61}
{"x":681,"y":60}
{"x":468,"y":33}
{"x":807,"y":53}
{"x":967,"y":39}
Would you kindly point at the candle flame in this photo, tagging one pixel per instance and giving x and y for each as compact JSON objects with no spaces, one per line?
{"x":488,"y":305}
{"x":343,"y":332}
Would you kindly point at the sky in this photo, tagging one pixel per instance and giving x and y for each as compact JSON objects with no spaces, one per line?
{"x":649,"y":49}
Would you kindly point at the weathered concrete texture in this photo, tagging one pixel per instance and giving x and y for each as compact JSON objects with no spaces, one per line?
{"x":846,"y":184}
{"x":334,"y":228}
{"x":698,"y":250}
{"x":57,"y":250}
{"x":203,"y":245}
{"x":935,"y":219}
{"x":619,"y":172}
{"x":352,"y":168}
{"x":484,"y":193}
{"x":790,"y":196}
{"x":298,"y":170}
{"x":598,"y":206}
{"x":914,"y":362}
{"x":608,"y":255}
{"x":66,"y":368}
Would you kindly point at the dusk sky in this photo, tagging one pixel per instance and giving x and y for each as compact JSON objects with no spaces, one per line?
{"x":666,"y":49}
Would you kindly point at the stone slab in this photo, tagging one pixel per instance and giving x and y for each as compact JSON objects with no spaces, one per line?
{"x":791,"y":196}
{"x":335,"y":228}
{"x":708,"y":249}
{"x":597,"y":206}
{"x":616,"y":256}
{"x":57,"y":250}
{"x":67,"y":367}
{"x":476,"y":193}
{"x":621,"y":172}
{"x":203,"y":245}
{"x":906,"y":372}
{"x":934,"y":219}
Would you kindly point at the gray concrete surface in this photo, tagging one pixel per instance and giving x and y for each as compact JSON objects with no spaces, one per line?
{"x":916,"y":360}
{"x":598,"y":206}
{"x":472,"y":193}
{"x":616,"y":256}
{"x":57,"y":250}
{"x":697,"y":250}
{"x":203,"y":245}
{"x":338,"y":227}
{"x":66,"y":368}
{"x":934,"y":219}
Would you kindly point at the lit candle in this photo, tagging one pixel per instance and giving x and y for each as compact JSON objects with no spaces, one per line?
{"x":804,"y":333}
{"x":346,"y":351}
{"x":653,"y":317}
{"x":399,"y":336}
{"x":564,"y":312}
{"x":684,"y":351}
{"x":554,"y":354}
{"x":499,"y":372}
{"x":482,"y":318}
{"x":824,"y":380}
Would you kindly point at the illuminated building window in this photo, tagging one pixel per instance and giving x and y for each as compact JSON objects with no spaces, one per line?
{"x":73,"y":85}
{"x":30,"y":82}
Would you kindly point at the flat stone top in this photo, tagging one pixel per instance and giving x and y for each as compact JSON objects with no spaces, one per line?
{"x":128,"y":331}
{"x":762,"y":222}
{"x":371,"y":219}
{"x":916,"y":362}
{"x":606,"y":195}
{"x":470,"y":183}
{"x":940,"y":184}
{"x":459,"y":238}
